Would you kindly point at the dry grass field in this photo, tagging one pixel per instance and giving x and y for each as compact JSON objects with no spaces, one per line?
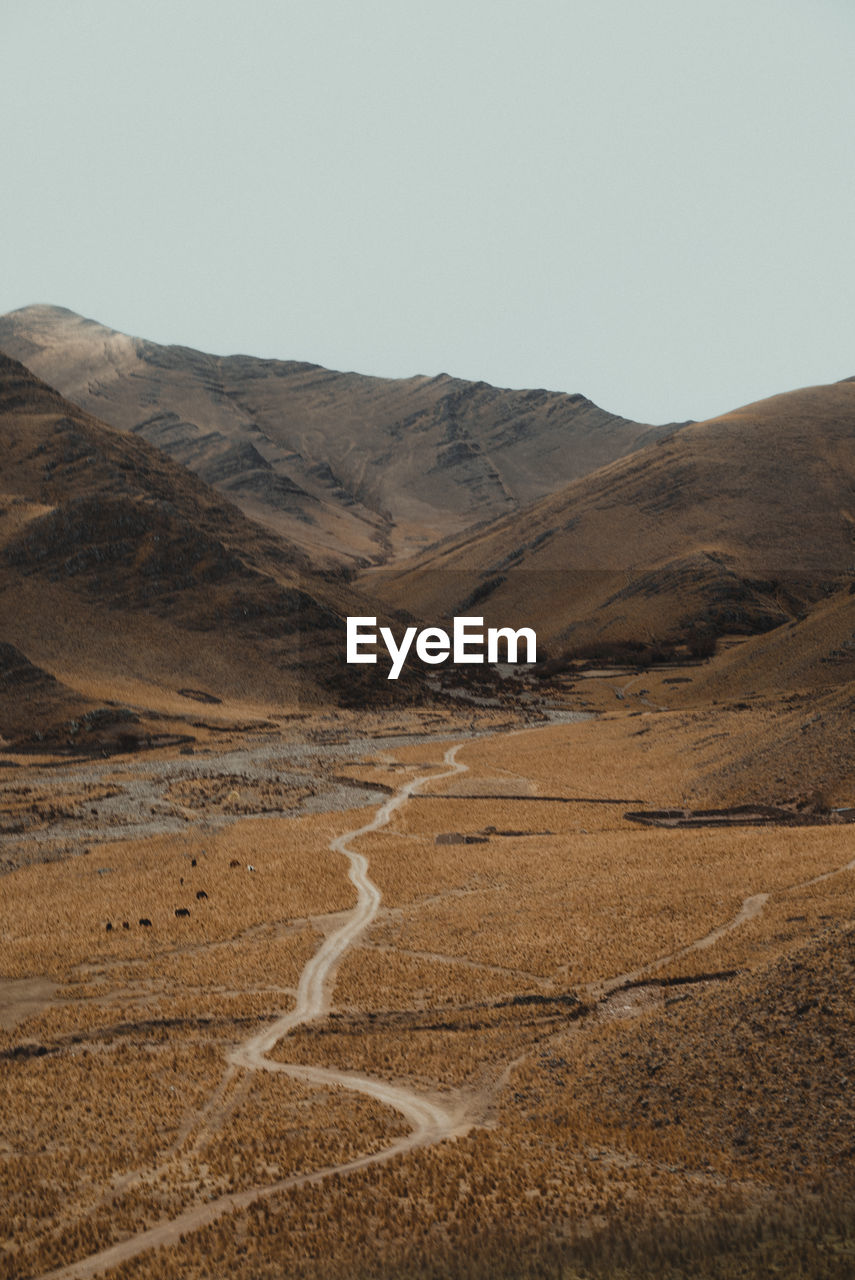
{"x":642,"y":1036}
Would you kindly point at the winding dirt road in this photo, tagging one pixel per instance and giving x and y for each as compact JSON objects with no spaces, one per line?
{"x":430,"y":1121}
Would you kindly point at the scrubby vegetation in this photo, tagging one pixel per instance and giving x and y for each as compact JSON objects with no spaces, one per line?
{"x":645,"y":1035}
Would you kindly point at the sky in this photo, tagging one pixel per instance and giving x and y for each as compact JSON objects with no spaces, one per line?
{"x":651,"y":202}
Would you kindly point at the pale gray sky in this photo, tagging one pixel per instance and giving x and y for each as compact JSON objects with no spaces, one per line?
{"x":648,"y":201}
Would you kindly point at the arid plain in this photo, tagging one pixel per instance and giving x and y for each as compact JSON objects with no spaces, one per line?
{"x":312,"y":975}
{"x":639,"y":1039}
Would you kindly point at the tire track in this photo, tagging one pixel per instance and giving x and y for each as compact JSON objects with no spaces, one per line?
{"x":751,"y":907}
{"x":430,"y":1121}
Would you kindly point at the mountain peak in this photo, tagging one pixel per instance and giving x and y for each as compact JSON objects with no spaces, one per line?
{"x":362,"y":470}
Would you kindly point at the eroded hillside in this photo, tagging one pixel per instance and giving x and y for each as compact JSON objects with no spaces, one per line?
{"x":355,"y":469}
{"x":731,"y":525}
{"x":124,"y":576}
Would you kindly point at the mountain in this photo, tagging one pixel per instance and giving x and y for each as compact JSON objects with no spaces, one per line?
{"x":796,"y":689}
{"x":356,"y":469}
{"x":123,"y":576}
{"x":735,"y":524}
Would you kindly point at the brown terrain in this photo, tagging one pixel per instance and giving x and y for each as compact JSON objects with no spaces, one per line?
{"x":731,"y":525}
{"x":547,"y":978}
{"x":127,"y":580}
{"x":351,"y":469}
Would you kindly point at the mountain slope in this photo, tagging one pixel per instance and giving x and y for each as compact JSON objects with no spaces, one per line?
{"x":120,"y":570}
{"x":361,"y":469}
{"x":798,"y":683}
{"x":731,"y":524}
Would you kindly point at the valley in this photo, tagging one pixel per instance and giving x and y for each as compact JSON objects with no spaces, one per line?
{"x":444,"y":1049}
{"x":475,"y":972}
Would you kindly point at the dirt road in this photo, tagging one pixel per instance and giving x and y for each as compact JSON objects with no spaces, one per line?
{"x":430,"y":1121}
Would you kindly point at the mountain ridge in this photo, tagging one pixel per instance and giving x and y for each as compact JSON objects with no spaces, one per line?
{"x":733,"y":523}
{"x":354,"y":469}
{"x":149,"y":578}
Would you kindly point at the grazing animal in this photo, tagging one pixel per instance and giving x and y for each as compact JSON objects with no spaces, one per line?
{"x":125,"y":924}
{"x":200,"y":893}
{"x":250,"y":867}
{"x":192,"y":862}
{"x":145,"y":922}
{"x":181,"y":911}
{"x":109,"y":926}
{"x":234,"y":863}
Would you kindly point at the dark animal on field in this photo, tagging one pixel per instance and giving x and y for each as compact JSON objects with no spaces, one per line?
{"x":109,"y":926}
{"x":234,"y":863}
{"x":181,"y":911}
{"x":145,"y":922}
{"x":125,"y":924}
{"x":200,"y":893}
{"x":192,"y":862}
